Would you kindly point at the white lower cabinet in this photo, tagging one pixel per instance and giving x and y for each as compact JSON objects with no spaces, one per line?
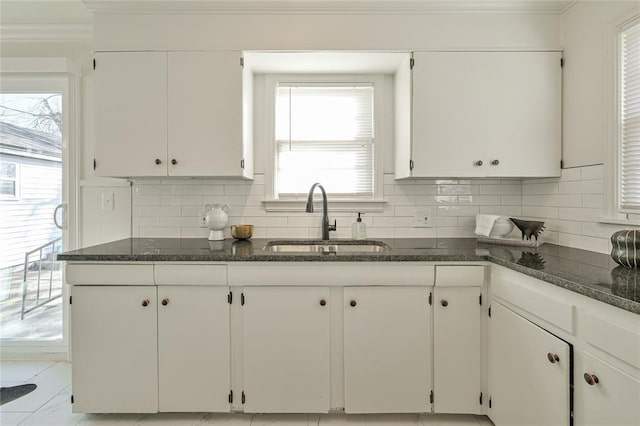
{"x":114,"y":337}
{"x":456,"y":350}
{"x":607,"y":395}
{"x":286,"y":344}
{"x":194,"y":372}
{"x":529,"y":372}
{"x":387,"y":349}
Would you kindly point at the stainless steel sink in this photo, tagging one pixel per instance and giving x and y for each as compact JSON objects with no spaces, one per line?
{"x":335,"y":246}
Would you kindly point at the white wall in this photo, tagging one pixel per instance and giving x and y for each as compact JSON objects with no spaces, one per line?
{"x":587,"y":79}
{"x":349,"y":31}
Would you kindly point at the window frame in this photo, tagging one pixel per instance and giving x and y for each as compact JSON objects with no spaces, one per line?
{"x":17,"y":193}
{"x":614,"y":214}
{"x":338,"y":202}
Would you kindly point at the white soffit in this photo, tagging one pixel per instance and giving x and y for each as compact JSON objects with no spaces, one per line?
{"x":328,"y":6}
{"x":325,"y":62}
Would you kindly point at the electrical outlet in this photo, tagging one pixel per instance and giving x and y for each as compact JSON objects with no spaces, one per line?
{"x":202,"y":218}
{"x":422,"y":218}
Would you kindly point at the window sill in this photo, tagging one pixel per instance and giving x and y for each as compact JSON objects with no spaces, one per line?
{"x":615,"y":221}
{"x":334,"y":205}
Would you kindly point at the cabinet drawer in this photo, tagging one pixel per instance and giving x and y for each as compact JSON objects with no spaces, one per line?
{"x":464,"y":276}
{"x":621,"y":342}
{"x":330,"y":273}
{"x":109,"y":274}
{"x":519,"y":292}
{"x":190,"y":274}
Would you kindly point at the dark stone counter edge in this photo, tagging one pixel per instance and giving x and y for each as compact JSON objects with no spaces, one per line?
{"x":609,"y":299}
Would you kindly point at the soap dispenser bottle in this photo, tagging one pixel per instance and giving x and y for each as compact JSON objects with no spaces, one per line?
{"x":359,"y":229}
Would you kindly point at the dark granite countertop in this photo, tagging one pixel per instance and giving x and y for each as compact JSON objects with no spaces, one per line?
{"x":591,"y":274}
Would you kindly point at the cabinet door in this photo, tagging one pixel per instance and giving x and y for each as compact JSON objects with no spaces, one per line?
{"x":131,"y":113}
{"x":525,"y":108}
{"x":456,"y":350}
{"x":114,"y":349}
{"x":525,"y":387}
{"x":194,"y":370}
{"x":612,"y":400}
{"x":205,"y":114}
{"x":500,"y":108}
{"x":387,"y":350}
{"x":450,"y":113}
{"x":286,"y":349}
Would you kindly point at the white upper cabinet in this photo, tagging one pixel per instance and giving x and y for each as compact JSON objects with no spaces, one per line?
{"x":205,"y":114}
{"x":131,"y":114}
{"x":483,"y":114}
{"x":173,"y":114}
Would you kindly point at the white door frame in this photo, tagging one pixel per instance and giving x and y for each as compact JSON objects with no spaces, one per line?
{"x":41,"y":75}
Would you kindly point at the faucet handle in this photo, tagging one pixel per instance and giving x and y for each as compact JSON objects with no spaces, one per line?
{"x":334,"y":227}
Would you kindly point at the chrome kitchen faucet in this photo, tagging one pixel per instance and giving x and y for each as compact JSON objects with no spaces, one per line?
{"x":325,"y":215}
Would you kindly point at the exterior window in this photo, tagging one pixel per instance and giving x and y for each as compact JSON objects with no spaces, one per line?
{"x":9,"y":183}
{"x":629,"y":119}
{"x":324,"y":132}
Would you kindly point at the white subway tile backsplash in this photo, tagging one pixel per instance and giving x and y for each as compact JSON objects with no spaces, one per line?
{"x":457,"y":210}
{"x":580,"y":214}
{"x":456,"y":190}
{"x":456,"y":232}
{"x":479,"y":200}
{"x":191,"y":232}
{"x":542,"y":212}
{"x":201,"y":189}
{"x":595,"y":186}
{"x":415,"y":233}
{"x":181,"y":200}
{"x":530,"y":200}
{"x":502,"y":210}
{"x":146,"y":200}
{"x":434,"y":200}
{"x":540,"y":188}
{"x":159,"y":232}
{"x":159,"y":211}
{"x":569,"y":205}
{"x":571,"y":187}
{"x":503,"y":189}
{"x":592,"y":172}
{"x":593,"y":201}
{"x":584,"y":242}
{"x":564,"y":200}
{"x":508,"y":200}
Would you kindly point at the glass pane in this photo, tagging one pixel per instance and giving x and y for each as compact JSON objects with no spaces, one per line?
{"x":325,"y":133}
{"x":7,"y":187}
{"x":30,"y":276}
{"x":8,"y":170}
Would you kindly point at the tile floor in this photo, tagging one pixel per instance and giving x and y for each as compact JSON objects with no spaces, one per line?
{"x":50,"y":404}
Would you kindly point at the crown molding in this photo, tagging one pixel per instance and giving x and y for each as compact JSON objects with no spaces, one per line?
{"x":46,"y":32}
{"x":326,"y":6}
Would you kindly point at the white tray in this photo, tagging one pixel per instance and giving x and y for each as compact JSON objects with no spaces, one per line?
{"x":510,"y":241}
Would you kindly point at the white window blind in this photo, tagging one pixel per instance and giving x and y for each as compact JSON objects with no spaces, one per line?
{"x":325,"y":133}
{"x":630,"y":118}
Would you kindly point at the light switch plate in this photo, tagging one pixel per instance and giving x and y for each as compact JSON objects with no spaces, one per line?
{"x":108,"y":201}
